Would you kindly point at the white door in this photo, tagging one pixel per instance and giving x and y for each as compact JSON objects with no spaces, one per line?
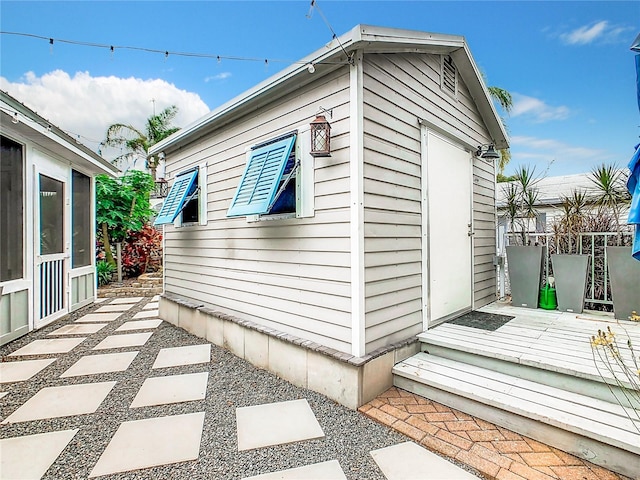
{"x":50,"y":248}
{"x":448,"y":229}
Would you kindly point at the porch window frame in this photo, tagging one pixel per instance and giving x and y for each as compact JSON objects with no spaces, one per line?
{"x":23,"y":180}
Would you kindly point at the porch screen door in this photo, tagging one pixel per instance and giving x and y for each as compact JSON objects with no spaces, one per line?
{"x":50,"y":272}
{"x":449,"y":228}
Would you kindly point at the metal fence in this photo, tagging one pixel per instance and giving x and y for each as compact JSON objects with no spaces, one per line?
{"x":598,"y":292}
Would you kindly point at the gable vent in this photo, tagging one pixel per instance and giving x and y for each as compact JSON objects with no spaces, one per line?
{"x":449,"y":77}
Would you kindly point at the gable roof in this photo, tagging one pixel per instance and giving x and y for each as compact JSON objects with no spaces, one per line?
{"x":370,"y":39}
{"x":42,"y":132}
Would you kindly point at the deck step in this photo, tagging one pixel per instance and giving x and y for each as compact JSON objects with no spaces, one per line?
{"x":597,"y":430}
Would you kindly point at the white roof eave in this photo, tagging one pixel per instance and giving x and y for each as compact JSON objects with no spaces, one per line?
{"x":370,"y":39}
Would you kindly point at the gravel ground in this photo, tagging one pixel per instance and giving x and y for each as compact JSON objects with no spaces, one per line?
{"x":349,"y":436}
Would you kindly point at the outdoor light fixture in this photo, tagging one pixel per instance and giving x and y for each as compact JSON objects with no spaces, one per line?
{"x":311,"y":68}
{"x":15,"y":118}
{"x":487,"y":152}
{"x":321,"y":136}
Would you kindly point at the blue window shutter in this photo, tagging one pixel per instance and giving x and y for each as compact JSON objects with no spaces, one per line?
{"x":261,"y":177}
{"x":182,"y":187}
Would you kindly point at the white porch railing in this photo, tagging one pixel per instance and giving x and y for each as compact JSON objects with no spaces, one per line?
{"x":52,"y":286}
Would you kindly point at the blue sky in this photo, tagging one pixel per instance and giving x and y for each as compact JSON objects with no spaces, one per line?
{"x":568,"y":64}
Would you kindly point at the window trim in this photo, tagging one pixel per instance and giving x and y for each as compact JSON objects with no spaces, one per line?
{"x":305,"y":180}
{"x":177,"y":197}
{"x":200,"y":196}
{"x":277,"y":151}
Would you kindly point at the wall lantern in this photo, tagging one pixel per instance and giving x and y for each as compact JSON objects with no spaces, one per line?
{"x":487,"y":152}
{"x":320,"y":137}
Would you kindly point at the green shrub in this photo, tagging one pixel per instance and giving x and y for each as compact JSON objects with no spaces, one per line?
{"x":104,"y":270}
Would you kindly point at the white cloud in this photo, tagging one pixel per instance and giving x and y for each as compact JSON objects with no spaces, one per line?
{"x":87,"y":105}
{"x":220,"y":76}
{"x":600,"y":31}
{"x":538,"y":110}
{"x":555,"y":157}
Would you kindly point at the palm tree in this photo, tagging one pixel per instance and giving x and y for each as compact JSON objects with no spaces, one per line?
{"x":137,"y":142}
{"x":505,"y":100}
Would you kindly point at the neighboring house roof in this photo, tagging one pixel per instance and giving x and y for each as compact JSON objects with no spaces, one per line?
{"x":553,"y":189}
{"x":370,"y":39}
{"x":42,"y":132}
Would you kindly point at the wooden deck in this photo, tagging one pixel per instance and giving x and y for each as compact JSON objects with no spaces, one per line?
{"x":553,"y":341}
{"x":536,"y":375}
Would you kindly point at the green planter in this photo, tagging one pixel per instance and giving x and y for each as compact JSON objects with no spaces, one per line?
{"x":570,"y":272}
{"x":525,"y":270}
{"x":624,"y":275}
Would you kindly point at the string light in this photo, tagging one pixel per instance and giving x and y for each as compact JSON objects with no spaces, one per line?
{"x":111,"y":48}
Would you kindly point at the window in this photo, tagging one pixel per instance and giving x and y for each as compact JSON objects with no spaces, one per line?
{"x":277,"y":181}
{"x":80,"y":220}
{"x":11,"y":210}
{"x":186,"y":201}
{"x":449,"y":76}
{"x":51,"y":216}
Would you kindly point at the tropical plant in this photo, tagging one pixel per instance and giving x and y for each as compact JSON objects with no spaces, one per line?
{"x":504,"y":98}
{"x":104,"y":271}
{"x":122,"y":204}
{"x":521,"y":197}
{"x":610,"y":192}
{"x":572,"y":222}
{"x":142,"y":252}
{"x":137,"y":141}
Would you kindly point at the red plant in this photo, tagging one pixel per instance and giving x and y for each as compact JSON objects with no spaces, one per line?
{"x":141,"y":252}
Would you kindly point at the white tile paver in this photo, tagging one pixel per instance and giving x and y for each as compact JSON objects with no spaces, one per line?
{"x":276,"y":423}
{"x":64,"y":401}
{"x":124,"y":340}
{"x":178,"y":356}
{"x":155,"y":298}
{"x":99,"y":300}
{"x":318,"y":471}
{"x":99,"y":317}
{"x":2,"y":394}
{"x":125,"y":300}
{"x":81,"y":329}
{"x":408,"y":461}
{"x":171,"y":389}
{"x":49,"y":346}
{"x":151,"y":306}
{"x":113,"y":308}
{"x":32,"y":455}
{"x":23,"y":370}
{"x":138,"y":325}
{"x":100,"y":363}
{"x":151,"y":442}
{"x":146,"y":314}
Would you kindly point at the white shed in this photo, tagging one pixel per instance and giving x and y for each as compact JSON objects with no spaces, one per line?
{"x":47,"y":221}
{"x":299,"y":262}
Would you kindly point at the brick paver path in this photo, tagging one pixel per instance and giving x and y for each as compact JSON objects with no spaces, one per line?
{"x":495,"y":452}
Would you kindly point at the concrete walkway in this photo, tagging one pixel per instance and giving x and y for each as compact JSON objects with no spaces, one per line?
{"x":114,"y":392}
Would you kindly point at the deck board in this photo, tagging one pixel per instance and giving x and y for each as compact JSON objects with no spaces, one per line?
{"x":575,"y":412}
{"x":555,"y":341}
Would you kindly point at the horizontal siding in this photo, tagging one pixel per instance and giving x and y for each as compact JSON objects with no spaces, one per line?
{"x":392,"y":214}
{"x":291,"y":275}
{"x":484,"y":225}
{"x":399,"y":89}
